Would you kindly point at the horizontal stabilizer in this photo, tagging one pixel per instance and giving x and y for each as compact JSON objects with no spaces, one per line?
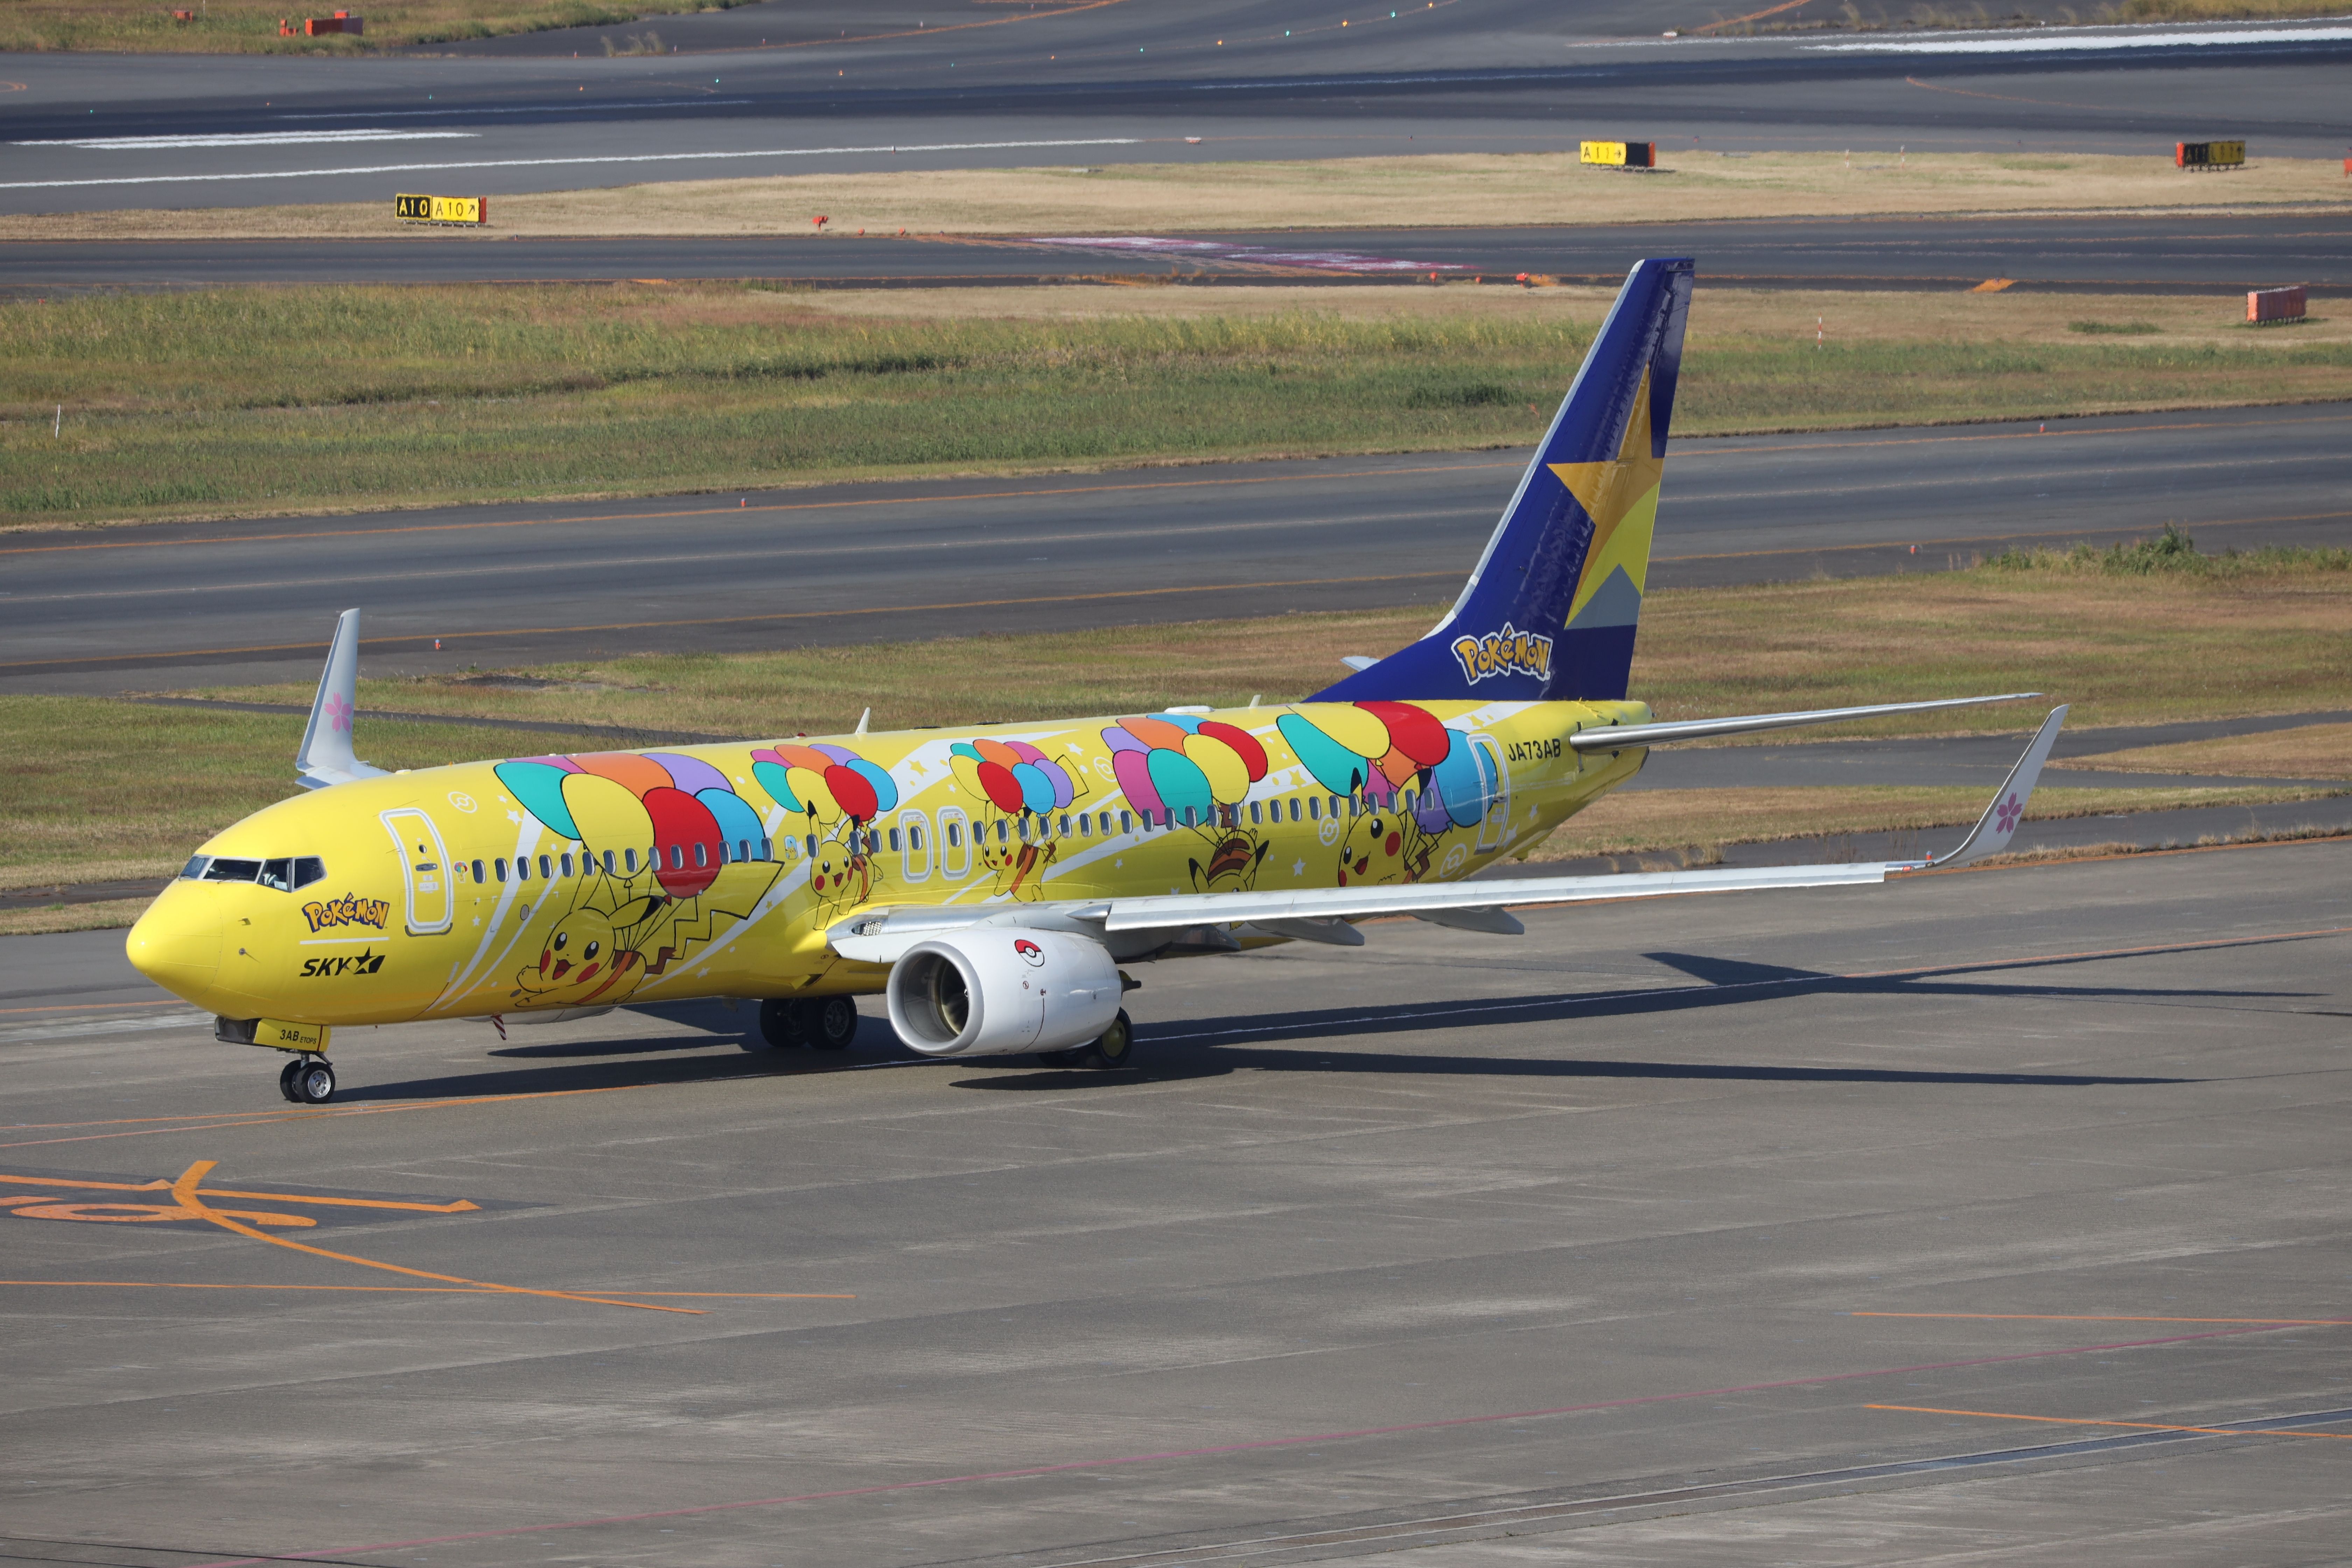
{"x":1621,"y":737}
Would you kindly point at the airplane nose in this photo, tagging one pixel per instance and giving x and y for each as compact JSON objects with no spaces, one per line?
{"x":177,"y":942}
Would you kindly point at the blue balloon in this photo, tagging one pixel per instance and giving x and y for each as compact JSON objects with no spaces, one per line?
{"x":886,"y":793}
{"x":1036,"y":789}
{"x":736,"y":820}
{"x":1466,"y":778}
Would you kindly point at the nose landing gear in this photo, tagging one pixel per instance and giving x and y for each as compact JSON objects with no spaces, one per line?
{"x":308,"y":1080}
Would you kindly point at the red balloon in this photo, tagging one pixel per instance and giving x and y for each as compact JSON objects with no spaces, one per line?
{"x":1002,"y":786}
{"x":684,"y":824}
{"x":1413,"y":731}
{"x":1243,"y":744}
{"x":851,"y":792}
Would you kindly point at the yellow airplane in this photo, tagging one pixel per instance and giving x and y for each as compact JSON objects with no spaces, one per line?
{"x":990,"y":882}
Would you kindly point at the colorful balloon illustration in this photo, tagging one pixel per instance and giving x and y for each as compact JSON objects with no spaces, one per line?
{"x":1171,"y":763}
{"x":1379,"y":747}
{"x":828,"y":782}
{"x":1013,"y":776}
{"x":683,"y":809}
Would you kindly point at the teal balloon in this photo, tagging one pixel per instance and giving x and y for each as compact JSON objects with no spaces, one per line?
{"x":1466,"y":778}
{"x":1334,"y":767}
{"x":771,"y":779}
{"x":539,"y":788}
{"x":1179,"y":781}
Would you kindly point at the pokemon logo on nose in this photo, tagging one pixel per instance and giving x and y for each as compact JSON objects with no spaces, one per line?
{"x":1031,"y":954}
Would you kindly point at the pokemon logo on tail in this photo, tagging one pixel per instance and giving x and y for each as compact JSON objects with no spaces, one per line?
{"x":989,"y":885}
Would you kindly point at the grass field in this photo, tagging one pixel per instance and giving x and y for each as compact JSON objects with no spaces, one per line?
{"x":93,"y":790}
{"x":243,"y":402}
{"x":229,"y":26}
{"x":1422,"y":191}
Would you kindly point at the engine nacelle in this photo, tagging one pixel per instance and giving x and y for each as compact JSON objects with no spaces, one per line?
{"x":993,"y":991}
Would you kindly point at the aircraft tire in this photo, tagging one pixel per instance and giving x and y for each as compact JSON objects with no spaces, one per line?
{"x":314,"y":1084}
{"x":1113,"y":1050}
{"x":784,"y":1024}
{"x":833,"y":1024}
{"x":286,"y":1078}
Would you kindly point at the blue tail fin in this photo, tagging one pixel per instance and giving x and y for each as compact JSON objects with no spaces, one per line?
{"x":1550,"y":611}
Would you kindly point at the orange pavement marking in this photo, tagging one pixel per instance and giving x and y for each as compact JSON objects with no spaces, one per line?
{"x":462,"y":1206}
{"x":426,"y":1290}
{"x":1449,"y":574}
{"x":2064,"y":1318}
{"x":2138,"y":1426}
{"x":184,"y":1190}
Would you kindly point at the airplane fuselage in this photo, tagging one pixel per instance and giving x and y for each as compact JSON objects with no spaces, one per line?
{"x":583,"y":882}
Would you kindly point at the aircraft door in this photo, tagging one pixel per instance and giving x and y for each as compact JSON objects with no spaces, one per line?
{"x":424,"y":870}
{"x":955,"y":844}
{"x":1496,"y":825}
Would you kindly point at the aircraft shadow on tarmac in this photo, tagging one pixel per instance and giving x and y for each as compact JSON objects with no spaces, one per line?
{"x":1212,"y":1048}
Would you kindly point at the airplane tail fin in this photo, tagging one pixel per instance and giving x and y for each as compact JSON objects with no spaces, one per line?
{"x":1550,"y":612}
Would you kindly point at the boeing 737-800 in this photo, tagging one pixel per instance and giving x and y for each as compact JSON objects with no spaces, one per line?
{"x":990,"y":882}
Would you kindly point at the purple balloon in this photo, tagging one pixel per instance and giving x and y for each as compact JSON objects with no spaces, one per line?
{"x":691,"y":775}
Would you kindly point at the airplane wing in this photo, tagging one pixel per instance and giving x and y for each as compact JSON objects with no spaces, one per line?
{"x":325,"y":756}
{"x":1317,"y":914}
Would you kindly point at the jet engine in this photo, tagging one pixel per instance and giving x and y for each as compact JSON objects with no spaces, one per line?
{"x":993,"y":991}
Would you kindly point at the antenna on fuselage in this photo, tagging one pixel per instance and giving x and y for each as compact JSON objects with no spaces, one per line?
{"x":861,"y":721}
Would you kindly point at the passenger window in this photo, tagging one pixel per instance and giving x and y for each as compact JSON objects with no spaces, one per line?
{"x":1257,"y":812}
{"x":608,"y":862}
{"x":767,"y":848}
{"x":227,"y":871}
{"x":702,"y":855}
{"x":278,"y":874}
{"x":1086,"y":824}
{"x":1404,"y":802}
{"x":1024,"y":829}
{"x":308,"y":869}
{"x":629,"y":861}
{"x":1003,"y":833}
{"x":522,"y":867}
{"x":810,"y":844}
{"x":498,"y":867}
{"x":1314,"y":809}
{"x":1333,"y":804}
{"x":546,"y":867}
{"x":955,"y":835}
{"x":1125,"y":821}
{"x":896,"y":835}
{"x":566,"y":862}
{"x":1294,"y":808}
{"x":479,"y":875}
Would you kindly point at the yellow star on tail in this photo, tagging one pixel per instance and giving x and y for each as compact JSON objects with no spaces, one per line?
{"x":1622,"y":496}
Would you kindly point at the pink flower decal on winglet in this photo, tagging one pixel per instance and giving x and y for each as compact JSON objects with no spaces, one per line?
{"x":339,"y":712}
{"x":2005,"y":819}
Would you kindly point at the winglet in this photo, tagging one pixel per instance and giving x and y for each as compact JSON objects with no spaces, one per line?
{"x":325,"y":756}
{"x":1999,"y":822}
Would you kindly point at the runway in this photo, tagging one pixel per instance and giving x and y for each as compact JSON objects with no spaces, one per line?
{"x":139,"y":608}
{"x":2137,"y":253}
{"x":1992,"y":1213}
{"x":1103,"y":82}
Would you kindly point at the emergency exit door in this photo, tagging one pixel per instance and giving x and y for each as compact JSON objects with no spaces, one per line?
{"x":424,"y":870}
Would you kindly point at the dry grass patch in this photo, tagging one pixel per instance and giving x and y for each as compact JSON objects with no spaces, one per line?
{"x":2311,"y":751}
{"x":228,"y":27}
{"x":255,"y":402}
{"x":105,"y":915}
{"x":2123,"y":649}
{"x":1424,"y":192}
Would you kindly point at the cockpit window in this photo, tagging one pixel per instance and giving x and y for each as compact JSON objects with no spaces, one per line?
{"x":284,"y":873}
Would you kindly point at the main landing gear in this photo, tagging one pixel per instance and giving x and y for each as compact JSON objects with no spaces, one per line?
{"x":308,"y":1080}
{"x":1111,"y":1051}
{"x":817,"y":1023}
